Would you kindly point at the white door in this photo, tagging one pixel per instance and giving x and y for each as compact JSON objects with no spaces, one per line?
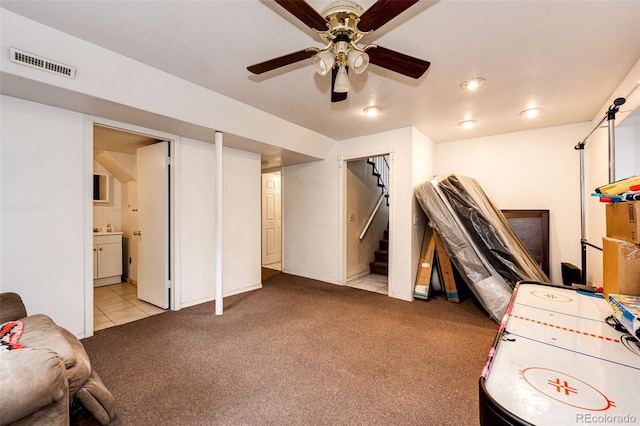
{"x":153,"y":224}
{"x":271,"y":219}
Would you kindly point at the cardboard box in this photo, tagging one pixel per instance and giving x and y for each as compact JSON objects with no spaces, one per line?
{"x":623,"y":221}
{"x":620,"y":267}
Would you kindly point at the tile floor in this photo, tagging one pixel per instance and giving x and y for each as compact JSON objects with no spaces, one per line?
{"x":371,"y":282}
{"x":118,"y":304}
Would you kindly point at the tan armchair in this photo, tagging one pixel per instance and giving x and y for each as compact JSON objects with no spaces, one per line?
{"x":39,"y":382}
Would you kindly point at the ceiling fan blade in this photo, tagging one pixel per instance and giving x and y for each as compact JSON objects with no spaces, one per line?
{"x":304,"y":12}
{"x":281,"y":61}
{"x":382,"y":12}
{"x":336,"y":96}
{"x":398,"y":62}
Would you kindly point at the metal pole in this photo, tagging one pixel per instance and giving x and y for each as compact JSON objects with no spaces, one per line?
{"x":218,"y":221}
{"x":612,"y":151}
{"x":610,"y":116}
{"x":583,"y":230}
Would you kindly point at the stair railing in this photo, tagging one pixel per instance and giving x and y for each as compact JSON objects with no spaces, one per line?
{"x":380,"y":169}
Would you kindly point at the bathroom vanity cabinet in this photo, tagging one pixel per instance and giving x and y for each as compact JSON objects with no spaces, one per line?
{"x":107,"y":258}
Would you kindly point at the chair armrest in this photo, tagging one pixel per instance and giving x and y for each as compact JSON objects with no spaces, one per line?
{"x":30,"y":379}
{"x":11,"y":307}
{"x":40,"y":331}
{"x":78,"y":374}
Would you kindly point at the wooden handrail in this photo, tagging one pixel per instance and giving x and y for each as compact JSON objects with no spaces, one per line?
{"x":373,"y":214}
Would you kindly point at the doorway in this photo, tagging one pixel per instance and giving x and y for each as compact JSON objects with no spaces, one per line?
{"x":121,"y":262}
{"x":367,"y":186}
{"x":272,"y":221}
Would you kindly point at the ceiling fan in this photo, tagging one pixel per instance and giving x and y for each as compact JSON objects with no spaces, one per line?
{"x":341,"y":26}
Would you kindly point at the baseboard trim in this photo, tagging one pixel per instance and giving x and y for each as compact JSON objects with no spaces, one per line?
{"x":100,"y":282}
{"x":212,"y":299}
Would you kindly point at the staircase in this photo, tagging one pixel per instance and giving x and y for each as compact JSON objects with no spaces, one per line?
{"x":380,"y":168}
{"x":381,"y":264}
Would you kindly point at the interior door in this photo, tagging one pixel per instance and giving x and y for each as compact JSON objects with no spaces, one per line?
{"x":153,"y":224}
{"x":271,"y":219}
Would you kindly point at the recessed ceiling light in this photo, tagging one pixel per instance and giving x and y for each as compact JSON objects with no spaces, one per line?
{"x":371,"y":111}
{"x":467,"y":124}
{"x":531,"y":112}
{"x":472,"y":84}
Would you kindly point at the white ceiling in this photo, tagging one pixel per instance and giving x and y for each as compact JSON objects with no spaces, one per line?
{"x":566,"y":57}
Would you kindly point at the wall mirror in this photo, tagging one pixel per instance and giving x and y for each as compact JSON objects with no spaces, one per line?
{"x":100,"y":188}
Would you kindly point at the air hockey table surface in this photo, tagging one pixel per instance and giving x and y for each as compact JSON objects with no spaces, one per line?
{"x":557,"y":361}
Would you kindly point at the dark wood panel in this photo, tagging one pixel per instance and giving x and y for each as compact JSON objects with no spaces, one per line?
{"x":532,"y":227}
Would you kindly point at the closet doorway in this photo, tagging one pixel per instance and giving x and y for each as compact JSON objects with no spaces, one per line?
{"x":367,"y":184}
{"x":130,"y":264}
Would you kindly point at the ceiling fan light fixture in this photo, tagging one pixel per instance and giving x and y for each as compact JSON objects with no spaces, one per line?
{"x":323,"y":62}
{"x":467,"y":124}
{"x":357,"y":60}
{"x":472,"y":84}
{"x":372,"y":110}
{"x":340,"y":27}
{"x":342,"y":84}
{"x":531,"y":112}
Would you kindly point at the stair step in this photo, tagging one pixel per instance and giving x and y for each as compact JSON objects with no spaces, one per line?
{"x":381,"y":268}
{"x":384,"y":244}
{"x":386,"y":234}
{"x":382,"y":255}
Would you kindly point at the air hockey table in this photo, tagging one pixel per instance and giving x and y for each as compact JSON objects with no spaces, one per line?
{"x":558,"y":359}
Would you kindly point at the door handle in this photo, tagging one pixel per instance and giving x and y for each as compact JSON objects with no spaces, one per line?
{"x":137,"y":233}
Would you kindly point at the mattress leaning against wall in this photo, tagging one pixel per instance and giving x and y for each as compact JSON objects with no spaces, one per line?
{"x":482,"y":245}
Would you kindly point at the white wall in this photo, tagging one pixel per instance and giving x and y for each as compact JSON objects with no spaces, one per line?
{"x":310,"y":222}
{"x":423,"y":158}
{"x":628,"y":149}
{"x":43,"y":198}
{"x":109,"y":213}
{"x":129,"y":226}
{"x":45,"y":214}
{"x":535,"y":169}
{"x":313,"y":219}
{"x":241,"y":223}
{"x":196,"y":226}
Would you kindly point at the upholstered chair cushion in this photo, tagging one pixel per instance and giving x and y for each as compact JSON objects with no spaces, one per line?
{"x":40,"y":331}
{"x":34,"y":387}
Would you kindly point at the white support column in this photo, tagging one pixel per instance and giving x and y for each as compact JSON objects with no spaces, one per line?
{"x":218,"y":222}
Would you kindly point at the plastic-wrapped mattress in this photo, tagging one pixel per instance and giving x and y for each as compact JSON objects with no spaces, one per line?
{"x":482,"y":245}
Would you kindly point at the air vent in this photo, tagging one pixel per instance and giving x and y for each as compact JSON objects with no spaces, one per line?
{"x":33,"y":61}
